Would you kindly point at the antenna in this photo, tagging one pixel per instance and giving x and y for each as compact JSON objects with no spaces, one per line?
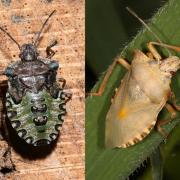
{"x":147,"y":27}
{"x":11,"y":37}
{"x":39,"y":33}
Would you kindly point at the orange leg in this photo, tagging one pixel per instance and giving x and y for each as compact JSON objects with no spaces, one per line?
{"x":155,"y":53}
{"x":120,"y":61}
{"x":159,"y":124}
{"x":173,"y":98}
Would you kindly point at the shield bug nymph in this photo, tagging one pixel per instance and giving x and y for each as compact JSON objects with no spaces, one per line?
{"x":35,"y":103}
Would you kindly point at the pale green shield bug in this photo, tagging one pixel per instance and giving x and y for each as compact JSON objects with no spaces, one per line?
{"x":142,"y":94}
{"x":35,"y":102}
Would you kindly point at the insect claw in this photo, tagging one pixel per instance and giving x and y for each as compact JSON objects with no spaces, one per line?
{"x":162,"y":132}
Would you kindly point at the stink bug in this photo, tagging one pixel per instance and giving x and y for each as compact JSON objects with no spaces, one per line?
{"x":143,"y":93}
{"x":35,"y":103}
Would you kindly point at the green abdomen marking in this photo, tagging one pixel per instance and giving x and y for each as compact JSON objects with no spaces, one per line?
{"x":38,"y":117}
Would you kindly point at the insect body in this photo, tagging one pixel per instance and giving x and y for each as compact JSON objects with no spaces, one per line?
{"x":143,"y":92}
{"x":141,"y":96}
{"x":35,"y":102}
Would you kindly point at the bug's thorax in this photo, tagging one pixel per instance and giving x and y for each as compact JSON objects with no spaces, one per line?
{"x":31,"y":68}
{"x":153,"y":78}
{"x":142,"y":94}
{"x":32,"y":74}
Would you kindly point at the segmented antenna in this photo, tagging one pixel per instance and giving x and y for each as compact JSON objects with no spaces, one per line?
{"x":147,"y":27}
{"x":39,"y":33}
{"x":11,"y":37}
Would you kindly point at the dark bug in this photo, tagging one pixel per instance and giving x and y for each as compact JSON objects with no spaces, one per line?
{"x":35,"y":103}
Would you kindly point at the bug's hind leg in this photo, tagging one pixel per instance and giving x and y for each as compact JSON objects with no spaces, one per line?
{"x":159,"y":124}
{"x":50,"y":53}
{"x":173,"y":99}
{"x":120,"y":61}
{"x":68,"y":96}
{"x":5,"y":148}
{"x":3,"y":89}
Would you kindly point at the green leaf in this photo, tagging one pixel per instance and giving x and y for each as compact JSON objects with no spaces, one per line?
{"x":157,"y":164}
{"x":102,"y":163}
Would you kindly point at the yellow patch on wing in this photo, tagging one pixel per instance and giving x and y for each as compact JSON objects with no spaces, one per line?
{"x":123,"y":113}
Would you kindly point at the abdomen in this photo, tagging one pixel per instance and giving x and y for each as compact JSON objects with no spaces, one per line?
{"x":38,"y":117}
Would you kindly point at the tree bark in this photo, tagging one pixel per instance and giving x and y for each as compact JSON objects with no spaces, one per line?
{"x":23,"y":19}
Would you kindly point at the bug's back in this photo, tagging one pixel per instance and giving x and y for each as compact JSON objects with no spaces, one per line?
{"x":35,"y":103}
{"x":140,"y":97}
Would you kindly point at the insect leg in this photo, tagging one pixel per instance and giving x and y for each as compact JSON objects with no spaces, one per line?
{"x":50,"y":53}
{"x":68,"y":96}
{"x":120,"y":61}
{"x":159,"y":124}
{"x":63,"y":82}
{"x":4,"y":133}
{"x":173,"y":98}
{"x":149,"y":54}
{"x":154,"y":51}
{"x":8,"y":163}
{"x":3,"y":86}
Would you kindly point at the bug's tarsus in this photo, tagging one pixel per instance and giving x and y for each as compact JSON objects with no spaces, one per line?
{"x":39,"y":33}
{"x":173,"y":111}
{"x":50,"y":53}
{"x":68,"y":97}
{"x":10,"y":37}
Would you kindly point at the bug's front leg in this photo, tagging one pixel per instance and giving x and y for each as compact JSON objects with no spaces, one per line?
{"x":68,"y":96}
{"x":119,"y":61}
{"x":5,"y":148}
{"x":3,"y":89}
{"x":50,"y":53}
{"x":63,"y":81}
